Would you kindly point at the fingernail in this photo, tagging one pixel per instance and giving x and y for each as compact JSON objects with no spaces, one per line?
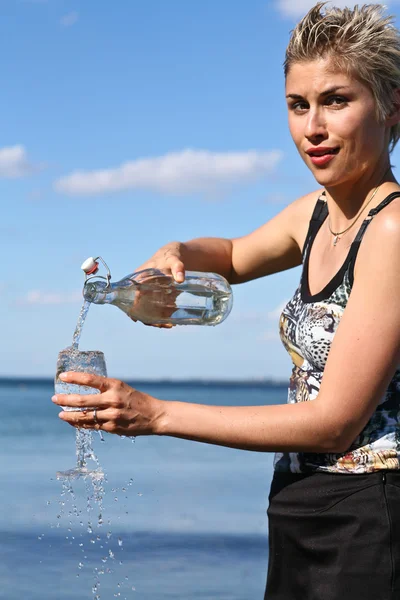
{"x":54,"y":398}
{"x":180,"y":275}
{"x":62,"y":376}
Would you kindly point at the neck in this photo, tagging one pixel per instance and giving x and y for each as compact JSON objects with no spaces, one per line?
{"x":346,"y":200}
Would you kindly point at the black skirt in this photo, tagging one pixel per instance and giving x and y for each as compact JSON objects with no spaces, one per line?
{"x":334,"y":537}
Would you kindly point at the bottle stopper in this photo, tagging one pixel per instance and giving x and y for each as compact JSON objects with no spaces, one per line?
{"x":90,"y":266}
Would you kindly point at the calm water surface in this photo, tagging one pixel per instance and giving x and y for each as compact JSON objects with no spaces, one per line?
{"x":180,"y":519}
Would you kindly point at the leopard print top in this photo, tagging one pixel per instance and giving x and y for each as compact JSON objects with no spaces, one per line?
{"x":307,"y":327}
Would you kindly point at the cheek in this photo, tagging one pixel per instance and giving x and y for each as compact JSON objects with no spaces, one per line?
{"x":362,"y":131}
{"x":295,"y":130}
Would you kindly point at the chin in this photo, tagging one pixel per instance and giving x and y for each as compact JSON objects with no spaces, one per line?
{"x":324,"y":179}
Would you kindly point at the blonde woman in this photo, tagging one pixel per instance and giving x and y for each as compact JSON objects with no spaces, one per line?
{"x":334,"y":521}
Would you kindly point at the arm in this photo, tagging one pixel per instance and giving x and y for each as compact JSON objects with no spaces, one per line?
{"x":362,"y":360}
{"x":275,"y":246}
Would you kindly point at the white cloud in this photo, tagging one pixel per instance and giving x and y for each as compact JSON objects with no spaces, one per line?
{"x":69,"y":19}
{"x":36,"y":297}
{"x":188,"y":171}
{"x":269,"y":336}
{"x":248,"y":317}
{"x":258,"y":317}
{"x":14,"y":162}
{"x":273,"y":315}
{"x":299,"y":8}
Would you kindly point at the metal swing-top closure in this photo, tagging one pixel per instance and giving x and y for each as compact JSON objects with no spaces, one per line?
{"x":91,"y":266}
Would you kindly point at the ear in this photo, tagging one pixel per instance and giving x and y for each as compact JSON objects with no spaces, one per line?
{"x":394,"y":117}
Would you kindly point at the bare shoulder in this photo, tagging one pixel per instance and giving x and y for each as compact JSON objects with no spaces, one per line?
{"x":385,"y":223}
{"x":381,"y":245}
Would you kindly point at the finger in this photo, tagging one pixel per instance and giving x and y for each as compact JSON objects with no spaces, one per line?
{"x":95,"y":381}
{"x":85,"y":419}
{"x":82,"y":419}
{"x":178,"y":270}
{"x":88,"y":401}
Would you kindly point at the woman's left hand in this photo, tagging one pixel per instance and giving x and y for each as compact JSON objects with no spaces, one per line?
{"x":118,"y":408}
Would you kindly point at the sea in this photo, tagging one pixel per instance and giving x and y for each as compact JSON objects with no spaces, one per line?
{"x":179,"y":519}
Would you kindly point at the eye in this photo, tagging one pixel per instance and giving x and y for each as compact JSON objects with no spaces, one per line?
{"x":299,"y":106}
{"x":336,"y":101}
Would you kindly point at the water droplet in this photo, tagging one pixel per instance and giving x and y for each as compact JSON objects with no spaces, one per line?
{"x":80,"y":565}
{"x":109,"y":534}
{"x":111,"y":554}
{"x":119,"y":542}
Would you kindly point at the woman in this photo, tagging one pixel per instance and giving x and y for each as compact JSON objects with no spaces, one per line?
{"x":333,"y":520}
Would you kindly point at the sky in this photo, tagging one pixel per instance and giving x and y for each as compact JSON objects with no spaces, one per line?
{"x":125,"y":126}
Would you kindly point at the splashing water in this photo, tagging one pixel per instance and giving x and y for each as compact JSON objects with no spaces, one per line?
{"x":89,"y":471}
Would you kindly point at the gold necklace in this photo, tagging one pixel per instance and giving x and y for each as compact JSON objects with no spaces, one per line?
{"x":337,"y":234}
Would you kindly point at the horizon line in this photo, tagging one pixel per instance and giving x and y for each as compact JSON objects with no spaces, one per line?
{"x":24,"y":379}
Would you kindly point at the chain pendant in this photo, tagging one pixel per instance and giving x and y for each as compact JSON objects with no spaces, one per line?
{"x":335,"y":240}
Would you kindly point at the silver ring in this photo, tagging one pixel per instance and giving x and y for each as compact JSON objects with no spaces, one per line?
{"x":95,"y":416}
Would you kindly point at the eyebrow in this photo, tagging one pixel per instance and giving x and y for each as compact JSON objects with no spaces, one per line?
{"x":331,"y":90}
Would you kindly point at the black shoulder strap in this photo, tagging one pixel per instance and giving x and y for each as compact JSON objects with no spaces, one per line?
{"x":357,"y":240}
{"x":320,"y":210}
{"x":318,"y":216}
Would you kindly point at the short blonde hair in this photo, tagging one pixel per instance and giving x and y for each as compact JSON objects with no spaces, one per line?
{"x":362,"y":42}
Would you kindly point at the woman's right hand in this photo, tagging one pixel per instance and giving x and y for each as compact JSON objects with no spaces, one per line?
{"x":168,"y":259}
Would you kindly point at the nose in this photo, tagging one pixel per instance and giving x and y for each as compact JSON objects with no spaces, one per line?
{"x":315,"y":125}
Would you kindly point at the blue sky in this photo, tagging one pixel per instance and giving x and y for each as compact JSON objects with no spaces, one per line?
{"x":126,"y":125}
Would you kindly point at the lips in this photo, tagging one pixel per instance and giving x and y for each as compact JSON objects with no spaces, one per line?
{"x":321,"y":151}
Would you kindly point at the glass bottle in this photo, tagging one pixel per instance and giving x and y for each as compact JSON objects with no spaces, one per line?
{"x":153,"y":297}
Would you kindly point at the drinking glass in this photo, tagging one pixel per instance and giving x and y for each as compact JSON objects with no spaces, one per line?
{"x":90,"y":361}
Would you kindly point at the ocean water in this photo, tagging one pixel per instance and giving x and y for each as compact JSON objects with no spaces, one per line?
{"x":181,"y":519}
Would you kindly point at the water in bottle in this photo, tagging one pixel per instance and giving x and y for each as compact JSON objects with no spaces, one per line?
{"x":154,"y":297}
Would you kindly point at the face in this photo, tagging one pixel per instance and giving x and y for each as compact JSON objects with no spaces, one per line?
{"x":333,"y":123}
